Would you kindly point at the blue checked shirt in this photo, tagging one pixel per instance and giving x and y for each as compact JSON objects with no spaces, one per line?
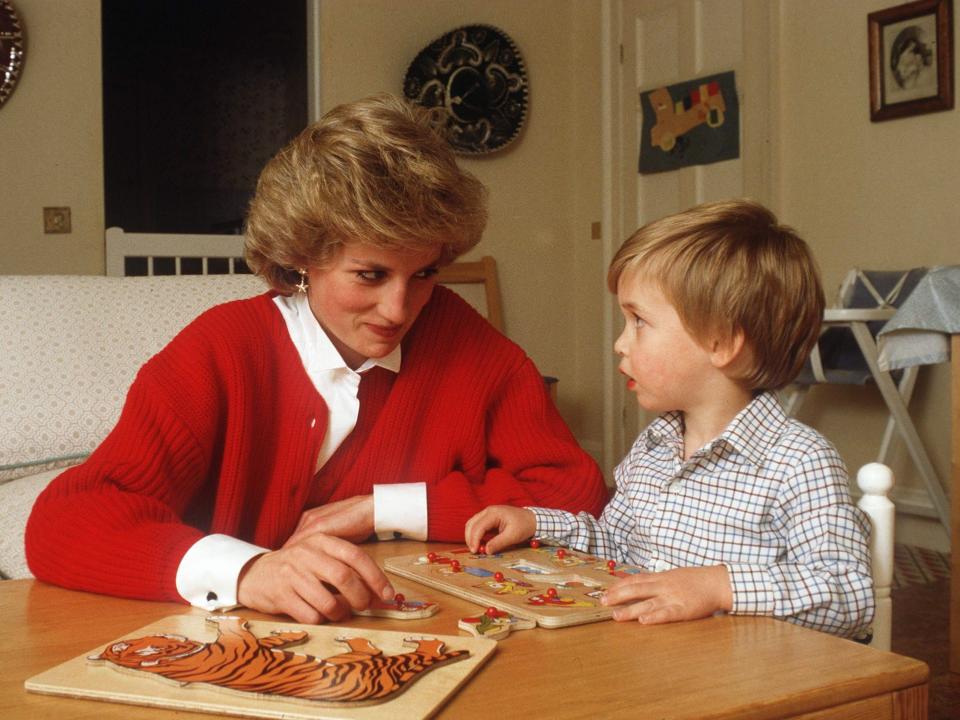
{"x":768,"y":499}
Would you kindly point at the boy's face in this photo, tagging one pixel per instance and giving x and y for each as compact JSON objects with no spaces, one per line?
{"x":666,"y":368}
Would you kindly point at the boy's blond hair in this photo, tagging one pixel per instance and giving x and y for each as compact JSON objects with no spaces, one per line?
{"x":372,"y":171}
{"x":730,"y":267}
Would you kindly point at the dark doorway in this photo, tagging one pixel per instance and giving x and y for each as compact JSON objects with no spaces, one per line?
{"x":197,"y":96}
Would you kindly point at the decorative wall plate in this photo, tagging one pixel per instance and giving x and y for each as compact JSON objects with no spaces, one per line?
{"x":474,"y":83}
{"x":12,"y":51}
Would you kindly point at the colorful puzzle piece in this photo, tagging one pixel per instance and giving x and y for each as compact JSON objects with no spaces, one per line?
{"x":494,"y":624}
{"x":400,"y":608}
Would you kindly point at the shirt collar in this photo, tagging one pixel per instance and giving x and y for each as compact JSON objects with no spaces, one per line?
{"x":757,"y":428}
{"x":322,"y":353}
{"x":753,"y":432}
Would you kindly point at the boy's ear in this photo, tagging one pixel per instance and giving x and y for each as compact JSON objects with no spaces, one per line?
{"x":724,"y":352}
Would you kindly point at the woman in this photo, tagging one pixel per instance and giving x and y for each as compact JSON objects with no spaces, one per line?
{"x":356,"y":397}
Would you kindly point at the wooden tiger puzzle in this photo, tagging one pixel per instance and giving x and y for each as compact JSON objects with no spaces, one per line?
{"x":554,"y":586}
{"x":228,"y":665}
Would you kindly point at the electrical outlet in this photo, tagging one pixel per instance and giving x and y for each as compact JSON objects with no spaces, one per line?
{"x":56,"y":220}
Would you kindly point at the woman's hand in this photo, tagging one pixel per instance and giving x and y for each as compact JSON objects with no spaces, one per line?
{"x":315,"y":579}
{"x":350,"y":519}
{"x":671,"y":596}
{"x":512,"y":524}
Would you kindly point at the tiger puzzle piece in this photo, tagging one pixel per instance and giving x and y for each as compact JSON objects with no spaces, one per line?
{"x":240,"y":661}
{"x":360,"y":658}
{"x":494,"y":624}
{"x":400,"y":608}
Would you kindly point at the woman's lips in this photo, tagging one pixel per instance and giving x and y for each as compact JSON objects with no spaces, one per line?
{"x":384,"y":331}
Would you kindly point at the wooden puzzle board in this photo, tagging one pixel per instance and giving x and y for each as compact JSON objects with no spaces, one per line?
{"x":528,"y":572}
{"x":81,"y":678}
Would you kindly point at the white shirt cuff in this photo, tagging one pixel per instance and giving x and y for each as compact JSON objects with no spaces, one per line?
{"x":401,"y":509}
{"x":208,"y":573}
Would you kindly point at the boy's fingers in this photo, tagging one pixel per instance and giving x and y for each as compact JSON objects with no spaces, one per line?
{"x":635,"y":587}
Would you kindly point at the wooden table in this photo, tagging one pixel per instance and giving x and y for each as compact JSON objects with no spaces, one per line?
{"x":721,"y":667}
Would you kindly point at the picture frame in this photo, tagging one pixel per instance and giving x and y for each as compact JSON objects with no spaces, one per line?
{"x":911,"y":59}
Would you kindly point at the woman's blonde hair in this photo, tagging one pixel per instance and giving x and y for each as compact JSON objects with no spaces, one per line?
{"x":371,"y":171}
{"x":730,"y":267}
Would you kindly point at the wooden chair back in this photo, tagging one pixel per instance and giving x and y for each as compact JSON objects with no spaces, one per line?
{"x":482,"y":272}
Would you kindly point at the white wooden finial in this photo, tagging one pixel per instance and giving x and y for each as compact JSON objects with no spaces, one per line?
{"x":875,"y":481}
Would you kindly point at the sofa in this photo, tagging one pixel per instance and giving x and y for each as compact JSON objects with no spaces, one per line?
{"x":69,"y":348}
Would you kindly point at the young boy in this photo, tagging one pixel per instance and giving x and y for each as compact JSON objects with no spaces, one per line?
{"x":730,"y":505}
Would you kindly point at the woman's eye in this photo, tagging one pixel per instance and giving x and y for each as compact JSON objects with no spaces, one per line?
{"x":427,"y":273}
{"x":370,"y":275}
{"x":638,"y":322}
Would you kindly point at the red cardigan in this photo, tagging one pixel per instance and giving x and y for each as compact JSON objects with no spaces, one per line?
{"x":221,"y":431}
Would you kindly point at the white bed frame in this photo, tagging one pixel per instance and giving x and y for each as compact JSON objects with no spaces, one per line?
{"x":121,"y":245}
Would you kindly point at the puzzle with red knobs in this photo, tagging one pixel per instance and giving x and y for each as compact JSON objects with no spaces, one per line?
{"x":554,"y":586}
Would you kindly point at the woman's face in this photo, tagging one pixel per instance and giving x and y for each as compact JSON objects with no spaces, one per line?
{"x":369,"y":297}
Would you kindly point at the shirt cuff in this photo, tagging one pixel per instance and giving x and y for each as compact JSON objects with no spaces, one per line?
{"x":750,"y":586}
{"x":400,"y":510}
{"x":553,"y":524}
{"x":208,"y":573}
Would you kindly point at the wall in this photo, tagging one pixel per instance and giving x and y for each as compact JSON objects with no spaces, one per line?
{"x":51,"y":144}
{"x":873,"y":195}
{"x":544,"y":187}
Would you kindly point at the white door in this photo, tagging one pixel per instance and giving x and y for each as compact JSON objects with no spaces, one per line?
{"x":654,"y":43}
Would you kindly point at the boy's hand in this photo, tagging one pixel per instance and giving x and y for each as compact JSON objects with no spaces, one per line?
{"x":512,"y":525}
{"x":671,"y":596}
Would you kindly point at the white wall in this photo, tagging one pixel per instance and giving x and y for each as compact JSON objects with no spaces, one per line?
{"x":544,"y":187}
{"x":872,"y":195}
{"x":51,"y":143}
{"x":862,"y":193}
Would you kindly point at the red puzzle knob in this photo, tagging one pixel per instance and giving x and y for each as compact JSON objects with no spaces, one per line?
{"x":612,"y":564}
{"x":455,"y":565}
{"x":431,"y":557}
{"x":551,"y":592}
{"x":498,"y":576}
{"x":561,"y":553}
{"x":534,"y":544}
{"x":482,"y":549}
{"x":399,"y":599}
{"x":492,"y":612}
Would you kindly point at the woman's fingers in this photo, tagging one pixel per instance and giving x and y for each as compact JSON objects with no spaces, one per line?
{"x":319,"y":578}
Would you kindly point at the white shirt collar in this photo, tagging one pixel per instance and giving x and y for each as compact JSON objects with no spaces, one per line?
{"x":316,"y":350}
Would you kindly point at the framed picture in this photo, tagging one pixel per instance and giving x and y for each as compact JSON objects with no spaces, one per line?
{"x":911,"y":59}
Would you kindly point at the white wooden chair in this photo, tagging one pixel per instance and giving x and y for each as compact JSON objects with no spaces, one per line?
{"x":875,"y":481}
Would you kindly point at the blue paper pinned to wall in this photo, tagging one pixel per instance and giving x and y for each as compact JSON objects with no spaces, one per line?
{"x":696,"y":122}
